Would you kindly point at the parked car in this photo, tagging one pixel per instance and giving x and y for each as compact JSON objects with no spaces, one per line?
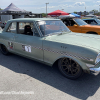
{"x":51,"y":42}
{"x":92,"y":21}
{"x":80,"y":26}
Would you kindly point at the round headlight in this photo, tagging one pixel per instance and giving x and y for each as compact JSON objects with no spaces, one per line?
{"x":97,"y":59}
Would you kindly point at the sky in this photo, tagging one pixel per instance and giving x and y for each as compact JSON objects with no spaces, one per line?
{"x":39,"y":6}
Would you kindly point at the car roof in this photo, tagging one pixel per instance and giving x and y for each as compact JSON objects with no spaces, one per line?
{"x":32,"y":19}
{"x":69,"y":18}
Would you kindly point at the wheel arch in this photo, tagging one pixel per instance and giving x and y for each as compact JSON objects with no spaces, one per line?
{"x":92,"y":32}
{"x":82,"y":64}
{"x":2,"y":44}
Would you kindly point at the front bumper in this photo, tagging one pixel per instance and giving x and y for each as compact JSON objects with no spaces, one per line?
{"x":94,"y":68}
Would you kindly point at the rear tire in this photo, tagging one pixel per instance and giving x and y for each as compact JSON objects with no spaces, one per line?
{"x":69,"y":68}
{"x":4,"y":50}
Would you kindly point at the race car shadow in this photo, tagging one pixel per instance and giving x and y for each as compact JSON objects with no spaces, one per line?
{"x":82,"y":88}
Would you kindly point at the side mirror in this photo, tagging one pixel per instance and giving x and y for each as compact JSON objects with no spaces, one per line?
{"x":75,"y":25}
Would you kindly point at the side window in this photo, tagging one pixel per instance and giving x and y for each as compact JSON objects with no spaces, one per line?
{"x":93,"y":22}
{"x":21,"y":26}
{"x":69,"y":22}
{"x":12,"y":28}
{"x":87,"y":21}
{"x":72,"y":23}
{"x":27,"y":28}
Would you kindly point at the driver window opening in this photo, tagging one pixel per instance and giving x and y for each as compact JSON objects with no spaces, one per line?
{"x":12,"y":28}
{"x":69,"y":22}
{"x":27,"y":28}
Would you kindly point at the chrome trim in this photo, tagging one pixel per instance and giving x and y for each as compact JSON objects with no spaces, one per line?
{"x":97,"y":60}
{"x":90,"y":65}
{"x":53,"y":51}
{"x":95,"y":69}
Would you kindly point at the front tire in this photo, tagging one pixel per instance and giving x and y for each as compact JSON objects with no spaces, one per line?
{"x":4,"y":50}
{"x":69,"y":68}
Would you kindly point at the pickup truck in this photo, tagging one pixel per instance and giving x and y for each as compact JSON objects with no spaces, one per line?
{"x":4,"y":19}
{"x":51,"y":42}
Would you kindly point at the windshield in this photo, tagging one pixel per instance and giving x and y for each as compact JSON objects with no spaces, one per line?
{"x":80,"y":22}
{"x":50,"y":27}
{"x":98,"y":20}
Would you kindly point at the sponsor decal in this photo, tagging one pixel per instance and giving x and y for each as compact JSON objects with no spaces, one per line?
{"x":10,"y":44}
{"x":26,"y":48}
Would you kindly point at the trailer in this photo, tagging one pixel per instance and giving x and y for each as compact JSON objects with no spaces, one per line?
{"x":4,"y":19}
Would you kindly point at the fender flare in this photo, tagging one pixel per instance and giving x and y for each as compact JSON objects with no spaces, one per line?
{"x":82,"y":64}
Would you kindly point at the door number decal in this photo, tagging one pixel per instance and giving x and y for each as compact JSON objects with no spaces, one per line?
{"x":26,"y":48}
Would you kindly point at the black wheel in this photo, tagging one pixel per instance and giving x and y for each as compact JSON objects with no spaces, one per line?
{"x":4,"y":50}
{"x":69,"y":68}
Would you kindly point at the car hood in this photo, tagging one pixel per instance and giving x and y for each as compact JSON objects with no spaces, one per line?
{"x":79,"y":39}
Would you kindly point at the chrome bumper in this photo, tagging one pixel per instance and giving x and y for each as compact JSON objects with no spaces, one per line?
{"x":95,"y":70}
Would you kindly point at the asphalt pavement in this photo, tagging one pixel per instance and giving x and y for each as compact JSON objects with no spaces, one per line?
{"x":25,"y":79}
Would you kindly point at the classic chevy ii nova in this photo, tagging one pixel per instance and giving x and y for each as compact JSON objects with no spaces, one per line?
{"x":50,"y":41}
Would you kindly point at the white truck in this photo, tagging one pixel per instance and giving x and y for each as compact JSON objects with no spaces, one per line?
{"x":4,"y":19}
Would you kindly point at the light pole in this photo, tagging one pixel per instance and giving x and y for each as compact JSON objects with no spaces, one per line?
{"x":46,"y":9}
{"x":85,"y":10}
{"x":99,"y":9}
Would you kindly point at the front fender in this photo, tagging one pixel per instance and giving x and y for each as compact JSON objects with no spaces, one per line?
{"x":82,"y":64}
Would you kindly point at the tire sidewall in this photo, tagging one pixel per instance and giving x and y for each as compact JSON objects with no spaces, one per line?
{"x":68,"y":76}
{"x":6,"y":52}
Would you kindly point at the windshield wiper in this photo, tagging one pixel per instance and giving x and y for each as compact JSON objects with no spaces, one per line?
{"x":58,"y":33}
{"x":64,"y":31}
{"x":50,"y":34}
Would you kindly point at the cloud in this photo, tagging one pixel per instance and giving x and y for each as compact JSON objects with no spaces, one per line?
{"x":97,"y":2}
{"x":79,"y":4}
{"x":63,"y":6}
{"x":50,"y":7}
